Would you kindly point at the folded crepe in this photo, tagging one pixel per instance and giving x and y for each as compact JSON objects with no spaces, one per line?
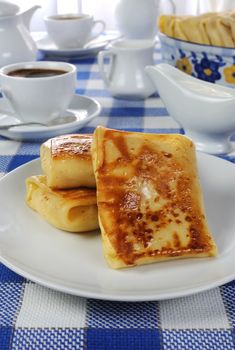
{"x":226,"y":30}
{"x":171,"y":26}
{"x":229,"y":21}
{"x":149,"y":198}
{"x":72,"y":210}
{"x":195,"y":28}
{"x":218,"y":32}
{"x":66,"y":161}
{"x":212,"y":28}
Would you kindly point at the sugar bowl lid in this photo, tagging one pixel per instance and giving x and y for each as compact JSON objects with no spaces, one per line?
{"x":8,"y":8}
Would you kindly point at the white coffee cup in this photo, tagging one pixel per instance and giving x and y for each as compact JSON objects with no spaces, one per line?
{"x":124,"y":76}
{"x":43,"y":96}
{"x":72,"y":30}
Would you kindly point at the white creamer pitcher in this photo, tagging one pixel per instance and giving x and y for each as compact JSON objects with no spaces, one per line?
{"x":16,"y":43}
{"x":124,"y":76}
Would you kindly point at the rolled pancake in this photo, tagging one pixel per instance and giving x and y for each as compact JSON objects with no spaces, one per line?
{"x":171,"y":26}
{"x":149,"y":198}
{"x":73,"y":210}
{"x":66,"y":161}
{"x":195,"y":30}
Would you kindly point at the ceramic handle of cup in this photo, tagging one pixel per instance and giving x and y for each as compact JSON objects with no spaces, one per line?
{"x":6,"y":93}
{"x":102,"y":28}
{"x":105,"y":74}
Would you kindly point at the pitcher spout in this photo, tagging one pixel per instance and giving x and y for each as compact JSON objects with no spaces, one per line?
{"x":27,"y":15}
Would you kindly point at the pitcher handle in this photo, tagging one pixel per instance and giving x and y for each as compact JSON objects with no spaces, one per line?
{"x":105,"y":73}
{"x":173,"y":6}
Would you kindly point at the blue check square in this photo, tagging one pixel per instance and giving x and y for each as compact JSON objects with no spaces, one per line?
{"x":107,"y":314}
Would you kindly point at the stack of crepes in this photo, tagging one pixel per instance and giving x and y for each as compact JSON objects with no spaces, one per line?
{"x":147,"y":201}
{"x":212,"y":28}
{"x":65,"y":196}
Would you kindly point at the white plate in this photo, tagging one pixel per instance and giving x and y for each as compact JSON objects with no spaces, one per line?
{"x":73,"y":263}
{"x":80,"y":112}
{"x":47,"y":46}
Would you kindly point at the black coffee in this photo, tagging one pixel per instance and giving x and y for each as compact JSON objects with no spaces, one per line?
{"x":35,"y":73}
{"x":62,"y":18}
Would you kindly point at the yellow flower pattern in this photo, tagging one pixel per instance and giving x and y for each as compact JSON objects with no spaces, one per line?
{"x":184,"y":65}
{"x":229,"y":74}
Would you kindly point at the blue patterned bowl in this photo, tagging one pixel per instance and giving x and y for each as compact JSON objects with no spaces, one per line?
{"x":210,"y":63}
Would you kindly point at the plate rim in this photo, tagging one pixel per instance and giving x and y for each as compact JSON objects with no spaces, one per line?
{"x":112,"y":296}
{"x":72,"y":125}
{"x":63,"y":52}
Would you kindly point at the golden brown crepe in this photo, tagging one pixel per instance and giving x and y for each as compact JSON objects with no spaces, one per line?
{"x":149,"y":198}
{"x":66,"y":161}
{"x":166,"y":24}
{"x":73,"y":210}
{"x":212,"y":28}
{"x":229,"y":21}
{"x":195,"y":29}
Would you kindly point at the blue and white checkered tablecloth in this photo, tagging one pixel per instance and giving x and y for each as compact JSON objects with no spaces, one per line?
{"x":34,"y":317}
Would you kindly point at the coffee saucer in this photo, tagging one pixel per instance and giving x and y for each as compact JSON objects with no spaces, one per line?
{"x":81,"y":111}
{"x":47,"y":46}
